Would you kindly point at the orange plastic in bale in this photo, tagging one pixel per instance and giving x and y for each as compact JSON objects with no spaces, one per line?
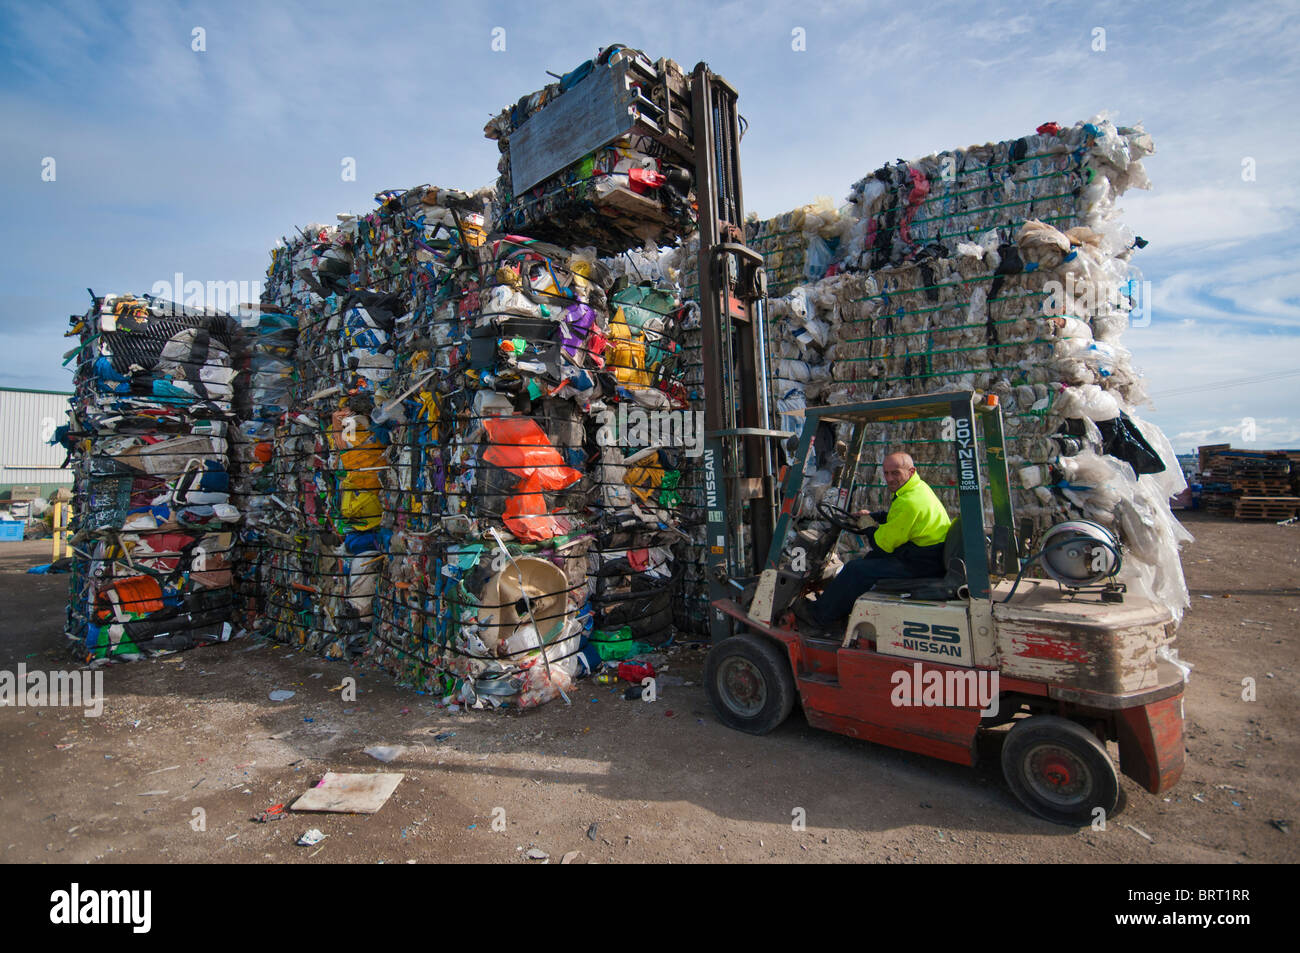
{"x":138,"y":594}
{"x":521,"y":447}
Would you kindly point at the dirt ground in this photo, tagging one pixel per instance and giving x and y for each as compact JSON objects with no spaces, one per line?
{"x":615,"y":780}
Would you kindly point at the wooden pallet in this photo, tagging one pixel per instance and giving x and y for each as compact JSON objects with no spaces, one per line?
{"x":1278,"y":487}
{"x":1206,"y":453}
{"x":1252,"y":471}
{"x":1266,"y":507}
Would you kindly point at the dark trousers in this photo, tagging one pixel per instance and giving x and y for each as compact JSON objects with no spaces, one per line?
{"x":853,"y":580}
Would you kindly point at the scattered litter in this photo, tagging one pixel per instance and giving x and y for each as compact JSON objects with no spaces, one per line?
{"x":570,"y":857}
{"x":536,"y":853}
{"x":444,"y":735}
{"x":311,"y":838}
{"x":349,"y":793}
{"x":150,"y":793}
{"x":1139,"y":832}
{"x":272,"y":813}
{"x":385,"y":753}
{"x":161,"y":770}
{"x":282,"y":695}
{"x":1283,"y":826}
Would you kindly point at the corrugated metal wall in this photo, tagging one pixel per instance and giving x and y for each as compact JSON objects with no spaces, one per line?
{"x":27,"y":421}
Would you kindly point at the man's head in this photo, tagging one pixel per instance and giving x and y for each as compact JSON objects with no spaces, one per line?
{"x":898,"y":470}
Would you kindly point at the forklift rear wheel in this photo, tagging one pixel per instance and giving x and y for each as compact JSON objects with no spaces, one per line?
{"x":1060,"y":770}
{"x":749,"y":684}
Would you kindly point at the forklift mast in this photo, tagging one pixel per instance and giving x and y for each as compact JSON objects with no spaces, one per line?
{"x":695,"y":118}
{"x":739,"y":483}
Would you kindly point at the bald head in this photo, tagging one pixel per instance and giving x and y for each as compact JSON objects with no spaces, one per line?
{"x":898,"y":470}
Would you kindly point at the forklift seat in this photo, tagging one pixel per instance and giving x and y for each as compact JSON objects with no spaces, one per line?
{"x":938,"y":589}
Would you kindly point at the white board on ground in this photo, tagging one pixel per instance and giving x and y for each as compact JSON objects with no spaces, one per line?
{"x":349,"y":793}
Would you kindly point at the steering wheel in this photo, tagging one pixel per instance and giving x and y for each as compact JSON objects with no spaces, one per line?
{"x":838,"y":517}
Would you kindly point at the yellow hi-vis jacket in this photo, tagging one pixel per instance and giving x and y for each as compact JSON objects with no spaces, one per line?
{"x":915,"y":516}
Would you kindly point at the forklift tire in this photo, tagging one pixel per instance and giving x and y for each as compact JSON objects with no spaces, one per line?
{"x":1060,"y":770}
{"x":749,"y":684}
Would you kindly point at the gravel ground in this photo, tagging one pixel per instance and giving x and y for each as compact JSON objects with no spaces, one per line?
{"x":189,"y":749}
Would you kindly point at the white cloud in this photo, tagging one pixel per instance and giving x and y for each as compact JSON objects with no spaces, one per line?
{"x":1211,"y":215}
{"x":1175,"y":357}
{"x":1215,"y":289}
{"x":1276,"y":433}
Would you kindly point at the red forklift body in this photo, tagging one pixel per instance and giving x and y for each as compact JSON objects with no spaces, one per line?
{"x":850,"y":690}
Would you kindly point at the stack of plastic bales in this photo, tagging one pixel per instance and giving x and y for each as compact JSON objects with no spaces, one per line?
{"x":671,"y":268}
{"x":482,"y":597}
{"x":531,"y":529}
{"x":1003,"y":269}
{"x":1062,"y":177}
{"x":801,"y":246}
{"x":154,"y":524}
{"x":432,"y":348}
{"x":267,"y":385}
{"x":650,"y":439}
{"x":325,"y":549}
{"x":611,"y":181}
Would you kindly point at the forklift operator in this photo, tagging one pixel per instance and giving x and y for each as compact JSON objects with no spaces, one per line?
{"x":908,"y":544}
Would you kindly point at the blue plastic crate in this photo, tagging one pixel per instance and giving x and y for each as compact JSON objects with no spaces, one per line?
{"x":11,"y":531}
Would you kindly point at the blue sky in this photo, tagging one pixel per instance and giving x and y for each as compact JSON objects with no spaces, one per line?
{"x":173,"y":160}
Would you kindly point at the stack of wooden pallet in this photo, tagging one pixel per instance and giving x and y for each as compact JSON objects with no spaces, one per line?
{"x":1249,"y":484}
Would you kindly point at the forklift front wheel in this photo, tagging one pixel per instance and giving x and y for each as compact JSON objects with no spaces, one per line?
{"x":1060,"y":770}
{"x":749,"y":684}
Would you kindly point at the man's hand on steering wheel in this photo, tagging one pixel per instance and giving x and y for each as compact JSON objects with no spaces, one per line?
{"x":841,"y":518}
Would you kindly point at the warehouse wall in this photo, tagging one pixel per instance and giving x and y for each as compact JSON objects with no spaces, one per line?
{"x":27,"y":421}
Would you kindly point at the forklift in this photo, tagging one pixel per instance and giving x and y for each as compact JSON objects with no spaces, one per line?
{"x":1070,"y":662}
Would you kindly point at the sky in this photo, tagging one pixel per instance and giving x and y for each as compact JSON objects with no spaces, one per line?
{"x":144,"y":140}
